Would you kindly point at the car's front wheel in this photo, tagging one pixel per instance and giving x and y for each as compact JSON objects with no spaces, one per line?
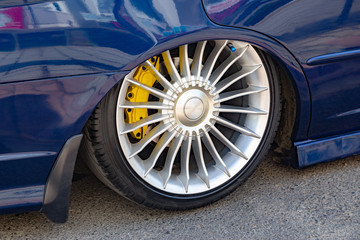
{"x":187,"y":126}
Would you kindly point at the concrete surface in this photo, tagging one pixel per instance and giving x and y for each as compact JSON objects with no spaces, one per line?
{"x":277,"y":202}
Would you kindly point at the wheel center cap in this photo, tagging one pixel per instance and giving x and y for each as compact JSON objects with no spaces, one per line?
{"x":191,"y":109}
{"x":194,"y":108}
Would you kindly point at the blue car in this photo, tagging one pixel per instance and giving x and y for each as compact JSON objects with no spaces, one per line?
{"x":171,"y":103}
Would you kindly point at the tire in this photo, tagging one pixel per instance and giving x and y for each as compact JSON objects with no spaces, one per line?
{"x":211,"y":117}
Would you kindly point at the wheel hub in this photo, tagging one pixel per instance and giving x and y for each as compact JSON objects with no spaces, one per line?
{"x":207,"y":119}
{"x":193,"y":111}
{"x":194,"y":108}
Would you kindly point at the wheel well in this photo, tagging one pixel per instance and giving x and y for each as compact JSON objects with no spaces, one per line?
{"x":283,"y":142}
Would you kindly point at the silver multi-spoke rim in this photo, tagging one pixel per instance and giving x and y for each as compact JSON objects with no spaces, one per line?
{"x":190,"y":112}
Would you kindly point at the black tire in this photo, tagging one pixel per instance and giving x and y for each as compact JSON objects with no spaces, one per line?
{"x":102,"y":152}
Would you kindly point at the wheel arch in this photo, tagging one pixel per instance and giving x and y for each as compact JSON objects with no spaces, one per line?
{"x":296,"y":99}
{"x":294,"y":86}
{"x":286,"y":61}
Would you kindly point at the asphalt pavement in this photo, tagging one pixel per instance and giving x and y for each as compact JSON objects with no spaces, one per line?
{"x":277,"y":202}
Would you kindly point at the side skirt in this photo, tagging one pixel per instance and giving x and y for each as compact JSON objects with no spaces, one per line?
{"x":57,"y":191}
{"x":23,"y":199}
{"x":324,"y":150}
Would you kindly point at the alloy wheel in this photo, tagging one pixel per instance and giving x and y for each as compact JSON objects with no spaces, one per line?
{"x":206,"y":116}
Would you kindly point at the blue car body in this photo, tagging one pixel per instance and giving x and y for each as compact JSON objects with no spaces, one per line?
{"x":58,"y":59}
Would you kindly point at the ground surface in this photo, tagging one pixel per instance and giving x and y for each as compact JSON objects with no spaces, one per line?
{"x":277,"y":202}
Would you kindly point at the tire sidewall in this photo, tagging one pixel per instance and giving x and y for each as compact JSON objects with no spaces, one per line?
{"x":129,"y":184}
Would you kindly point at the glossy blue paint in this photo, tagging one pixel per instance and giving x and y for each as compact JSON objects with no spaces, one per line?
{"x":59,"y":59}
{"x":324,"y":150}
{"x":308,"y":30}
{"x":72,"y":39}
{"x":334,"y":57}
{"x":21,"y":199}
{"x":14,"y":3}
{"x":37,"y":119}
{"x":42,"y":115}
{"x":337,"y":109}
{"x":16,"y":168}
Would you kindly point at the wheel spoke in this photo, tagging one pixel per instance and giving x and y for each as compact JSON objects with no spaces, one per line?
{"x":211,"y":60}
{"x":184,"y":63}
{"x":240,"y":93}
{"x":227,"y":82}
{"x":224,"y":66}
{"x":155,"y":132}
{"x":235,"y":109}
{"x":200,"y":162}
{"x":153,"y":91}
{"x":197,"y":59}
{"x":170,"y":158}
{"x":190,"y":145}
{"x":170,"y":66}
{"x":148,"y":105}
{"x":227,"y":142}
{"x":184,"y":175}
{"x":157,"y":117}
{"x":214,"y":153}
{"x":159,"y":148}
{"x":161,"y":79}
{"x":231,"y":125}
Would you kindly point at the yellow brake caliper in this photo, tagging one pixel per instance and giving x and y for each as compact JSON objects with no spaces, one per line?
{"x":138,"y":94}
